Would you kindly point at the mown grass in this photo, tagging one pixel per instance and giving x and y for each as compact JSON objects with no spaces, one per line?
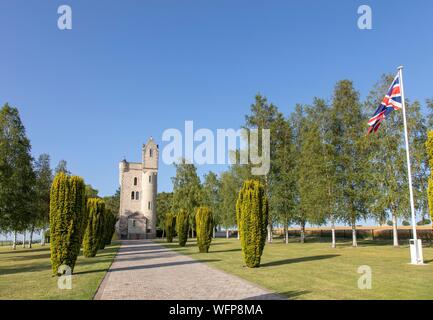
{"x":26,"y":274}
{"x":316,"y":271}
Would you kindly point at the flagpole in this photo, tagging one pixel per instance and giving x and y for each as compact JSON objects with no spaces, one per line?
{"x":418,"y":259}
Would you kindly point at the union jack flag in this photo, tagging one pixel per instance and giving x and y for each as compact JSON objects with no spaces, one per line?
{"x":392,"y":101}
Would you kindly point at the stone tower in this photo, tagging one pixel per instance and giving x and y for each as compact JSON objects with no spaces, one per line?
{"x":138,"y":189}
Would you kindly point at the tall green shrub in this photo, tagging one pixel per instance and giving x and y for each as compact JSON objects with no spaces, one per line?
{"x":170,"y":225}
{"x":182,"y":227}
{"x":204,"y":223}
{"x":104,"y":221}
{"x":94,"y":233}
{"x":110,"y":226}
{"x":429,"y":148}
{"x":252,"y":219}
{"x":67,"y":211}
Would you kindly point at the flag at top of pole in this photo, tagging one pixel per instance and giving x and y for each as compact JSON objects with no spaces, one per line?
{"x":394,"y":100}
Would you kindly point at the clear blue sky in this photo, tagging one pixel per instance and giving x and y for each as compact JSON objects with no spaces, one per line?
{"x":131,"y":69}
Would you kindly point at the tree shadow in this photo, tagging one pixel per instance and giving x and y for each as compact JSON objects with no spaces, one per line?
{"x":294,"y":294}
{"x":219,"y":251}
{"x":279,"y":295}
{"x":18,"y":250}
{"x":149,"y":266}
{"x":150,"y":257}
{"x":298,"y":260}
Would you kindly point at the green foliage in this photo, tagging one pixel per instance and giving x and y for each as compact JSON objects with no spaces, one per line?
{"x":170,"y":225}
{"x":94,"y":233}
{"x":62,"y":168}
{"x":405,"y":223}
{"x":423,"y":222}
{"x":204,"y":223}
{"x":112,"y":203}
{"x":67,"y":213}
{"x":90,"y":192}
{"x":17,"y":178}
{"x":187,"y":193}
{"x":44,"y":179}
{"x":212,"y":196}
{"x":429,"y":148}
{"x":182,"y":224}
{"x":252,"y":217}
{"x":164,"y":201}
{"x":110,"y":225}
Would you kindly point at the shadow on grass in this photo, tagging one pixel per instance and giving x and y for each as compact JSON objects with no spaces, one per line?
{"x":294,"y":294}
{"x":18,"y":250}
{"x":218,"y":251}
{"x":105,"y":255}
{"x":298,"y":260}
{"x":150,"y":266}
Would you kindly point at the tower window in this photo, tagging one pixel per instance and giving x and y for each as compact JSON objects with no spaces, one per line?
{"x":132,"y":195}
{"x":150,"y":178}
{"x":137,"y":196}
{"x":150,"y":153}
{"x":148,"y":205}
{"x":133,"y":223}
{"x":135,"y":181}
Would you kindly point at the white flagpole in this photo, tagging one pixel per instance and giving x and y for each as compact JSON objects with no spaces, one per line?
{"x":417,"y":259}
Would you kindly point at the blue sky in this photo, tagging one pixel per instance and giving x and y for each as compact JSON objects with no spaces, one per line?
{"x":131,"y":69}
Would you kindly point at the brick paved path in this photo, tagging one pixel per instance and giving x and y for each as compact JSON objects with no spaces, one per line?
{"x":146,"y":270}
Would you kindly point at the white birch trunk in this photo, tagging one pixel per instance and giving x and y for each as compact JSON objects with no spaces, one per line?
{"x":354,"y":241}
{"x":31,"y":237}
{"x":213,"y":233}
{"x":286,"y":235}
{"x":333,"y":245}
{"x":14,"y":243}
{"x":227,"y":233}
{"x":269,"y":233}
{"x":43,"y":237}
{"x":394,"y":229}
{"x":303,"y":233}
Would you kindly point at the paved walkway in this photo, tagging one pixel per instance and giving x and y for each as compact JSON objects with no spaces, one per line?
{"x":146,"y":270}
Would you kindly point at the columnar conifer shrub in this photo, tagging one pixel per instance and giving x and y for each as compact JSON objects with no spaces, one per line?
{"x":110,"y":226}
{"x":105,"y":222}
{"x":94,"y":233}
{"x":252,"y":219}
{"x":67,"y":211}
{"x":429,"y":147}
{"x":182,"y":227}
{"x":204,"y":224}
{"x":170,"y":225}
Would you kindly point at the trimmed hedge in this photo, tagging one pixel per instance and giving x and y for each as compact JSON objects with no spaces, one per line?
{"x":182,"y":227}
{"x":204,"y":224}
{"x":252,"y":218}
{"x":67,"y":213}
{"x":170,"y":225}
{"x":94,"y":234}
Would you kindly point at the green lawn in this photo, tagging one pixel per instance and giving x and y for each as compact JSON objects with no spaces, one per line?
{"x":316,"y":271}
{"x":26,"y":274}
